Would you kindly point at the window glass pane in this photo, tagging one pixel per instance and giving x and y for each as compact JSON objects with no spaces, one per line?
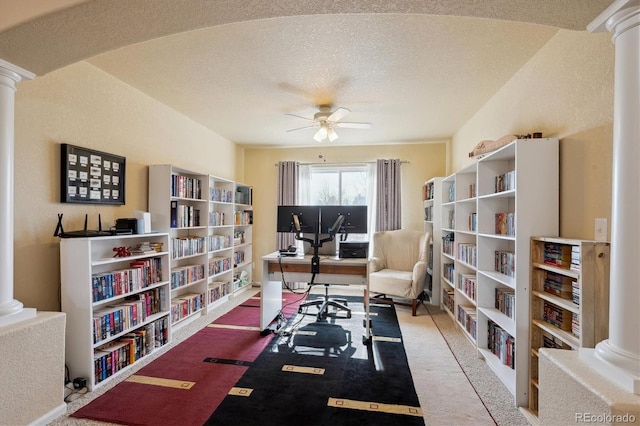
{"x":354,"y":188}
{"x":324,"y":188}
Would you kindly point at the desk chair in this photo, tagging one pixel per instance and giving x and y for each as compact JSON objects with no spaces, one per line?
{"x":324,"y":303}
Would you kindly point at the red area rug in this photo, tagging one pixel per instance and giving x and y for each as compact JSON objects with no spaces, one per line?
{"x":213,"y":358}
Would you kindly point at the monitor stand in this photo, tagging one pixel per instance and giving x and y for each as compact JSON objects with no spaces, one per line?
{"x":328,"y":249}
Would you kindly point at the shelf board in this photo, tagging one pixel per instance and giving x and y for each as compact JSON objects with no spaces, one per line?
{"x":102,"y":302}
{"x":149,"y":319}
{"x":219,"y":274}
{"x":466,"y":297}
{"x":508,"y":324}
{"x":190,"y":256}
{"x":220,"y":250}
{"x":562,"y":271}
{"x":498,"y":236}
{"x":506,"y":374}
{"x":565,"y":336}
{"x":511,"y":193}
{"x":108,"y":260}
{"x":558,"y":301}
{"x":500,"y":278}
{"x":187,"y":285}
{"x":198,"y":200}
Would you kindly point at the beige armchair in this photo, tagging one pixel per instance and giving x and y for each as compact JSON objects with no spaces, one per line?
{"x":399,"y":266}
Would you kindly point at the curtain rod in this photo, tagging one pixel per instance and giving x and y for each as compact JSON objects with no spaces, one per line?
{"x":346,"y":162}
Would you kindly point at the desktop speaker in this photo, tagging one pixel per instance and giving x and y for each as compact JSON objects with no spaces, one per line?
{"x":354,"y":250}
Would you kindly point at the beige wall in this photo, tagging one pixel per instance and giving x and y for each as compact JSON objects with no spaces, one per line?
{"x":564,"y":91}
{"x":425,"y":161}
{"x":82,"y":105}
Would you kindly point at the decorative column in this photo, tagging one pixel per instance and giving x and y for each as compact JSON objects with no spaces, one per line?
{"x":621,"y":352}
{"x":11,"y":310}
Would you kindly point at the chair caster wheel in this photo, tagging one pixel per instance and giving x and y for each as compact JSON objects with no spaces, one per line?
{"x":299,"y":310}
{"x":348,"y":314}
{"x":364,"y":323}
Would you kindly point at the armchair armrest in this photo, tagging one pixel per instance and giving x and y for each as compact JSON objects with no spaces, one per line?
{"x":375,"y":264}
{"x":419,"y":271}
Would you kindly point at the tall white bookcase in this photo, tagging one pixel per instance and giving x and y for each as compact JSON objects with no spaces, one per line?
{"x":110,"y":300}
{"x":210,"y":250}
{"x":432,"y":200}
{"x":447,"y":249}
{"x":501,"y":201}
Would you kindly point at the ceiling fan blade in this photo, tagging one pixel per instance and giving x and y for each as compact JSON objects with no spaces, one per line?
{"x":320,"y":134}
{"x":351,"y":125}
{"x":299,"y":116}
{"x":303,"y":127}
{"x":338,"y":114}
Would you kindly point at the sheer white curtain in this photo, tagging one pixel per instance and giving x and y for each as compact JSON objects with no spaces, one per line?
{"x":388,"y":195}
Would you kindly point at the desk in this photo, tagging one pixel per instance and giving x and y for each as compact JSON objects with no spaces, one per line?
{"x":298,"y":269}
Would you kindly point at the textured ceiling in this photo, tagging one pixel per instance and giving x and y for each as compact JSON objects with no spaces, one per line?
{"x":417,"y":70}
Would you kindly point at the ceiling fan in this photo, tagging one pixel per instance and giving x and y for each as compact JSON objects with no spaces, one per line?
{"x":327,"y":120}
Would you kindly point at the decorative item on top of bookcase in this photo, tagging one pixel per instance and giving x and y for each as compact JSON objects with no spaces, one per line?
{"x":432,"y":203}
{"x":117,"y":307}
{"x":569,"y":299}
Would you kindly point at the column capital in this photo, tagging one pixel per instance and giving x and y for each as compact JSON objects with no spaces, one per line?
{"x":14,"y":72}
{"x":617,"y":18}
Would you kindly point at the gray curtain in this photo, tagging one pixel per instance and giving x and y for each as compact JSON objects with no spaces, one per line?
{"x":287,"y":196}
{"x":388,"y":196}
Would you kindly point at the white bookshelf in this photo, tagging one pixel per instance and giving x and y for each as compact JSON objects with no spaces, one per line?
{"x":531,"y":205}
{"x":447,"y":249}
{"x":222,"y":264}
{"x":432,"y":203}
{"x":95,"y":284}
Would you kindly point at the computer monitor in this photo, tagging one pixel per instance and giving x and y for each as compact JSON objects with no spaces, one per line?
{"x":355,"y":219}
{"x":308,"y":216}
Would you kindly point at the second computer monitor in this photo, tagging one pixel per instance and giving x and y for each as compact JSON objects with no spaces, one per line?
{"x":355,"y":219}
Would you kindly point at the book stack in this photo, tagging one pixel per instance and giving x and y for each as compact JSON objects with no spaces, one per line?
{"x":183,"y":275}
{"x":505,"y":301}
{"x":448,"y":299}
{"x":558,"y":285}
{"x":549,"y":341}
{"x":505,"y":224}
{"x":218,"y":265}
{"x":575,"y":324}
{"x":219,"y":289}
{"x":557,"y":316}
{"x":220,"y":195}
{"x":501,"y":344}
{"x":558,"y":255}
{"x":467,"y":317}
{"x":505,"y":263}
{"x":468,"y":285}
{"x":575,"y":292}
{"x":188,"y":245}
{"x":185,"y":187}
{"x":575,"y":257}
{"x":448,"y":244}
{"x":467,"y":253}
{"x":452,"y":193}
{"x":473,"y":221}
{"x":505,"y":181}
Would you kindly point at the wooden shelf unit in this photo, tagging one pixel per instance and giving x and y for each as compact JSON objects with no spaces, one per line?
{"x":582,"y":277}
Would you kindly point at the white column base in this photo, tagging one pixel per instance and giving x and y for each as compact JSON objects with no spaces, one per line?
{"x":17,"y":316}
{"x":617,"y":367}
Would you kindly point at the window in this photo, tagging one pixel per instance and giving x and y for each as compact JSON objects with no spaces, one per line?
{"x":338,"y":184}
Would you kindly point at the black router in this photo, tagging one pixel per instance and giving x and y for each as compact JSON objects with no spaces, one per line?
{"x":60,"y":232}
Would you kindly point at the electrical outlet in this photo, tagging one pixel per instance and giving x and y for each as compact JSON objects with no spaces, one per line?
{"x":601,"y":229}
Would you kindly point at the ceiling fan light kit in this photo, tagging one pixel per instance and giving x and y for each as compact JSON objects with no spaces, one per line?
{"x":327,"y":120}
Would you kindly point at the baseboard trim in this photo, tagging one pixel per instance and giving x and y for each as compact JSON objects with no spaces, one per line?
{"x":50,"y":416}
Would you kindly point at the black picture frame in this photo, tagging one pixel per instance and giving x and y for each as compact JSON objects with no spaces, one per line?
{"x":88,"y":176}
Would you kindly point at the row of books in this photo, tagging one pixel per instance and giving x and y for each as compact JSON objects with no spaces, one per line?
{"x":218,"y":265}
{"x":505,"y":262}
{"x":575,"y":324}
{"x":505,"y":301}
{"x":244,"y":195}
{"x":428,"y":213}
{"x":238,"y":258}
{"x":183,"y":275}
{"x":472,"y":190}
{"x":467,"y":283}
{"x":141,"y":274}
{"x":186,"y":187}
{"x":134,"y":310}
{"x":216,"y":218}
{"x":550,"y":341}
{"x":219,"y":289}
{"x":184,"y":216}
{"x":556,"y":316}
{"x":467,"y":253}
{"x":448,"y":299}
{"x":505,"y":224}
{"x":448,"y":271}
{"x":473,"y":221}
{"x":468,"y":318}
{"x":452,"y":193}
{"x":243,"y":217}
{"x":187,"y":246}
{"x":448,"y":244}
{"x":561,"y":255}
{"x":185,"y":305}
{"x":505,"y":181}
{"x":111,"y":358}
{"x":451,"y":219}
{"x":501,"y":344}
{"x":220,"y":195}
{"x":428,"y":191}
{"x":558,"y":285}
{"x":219,"y":242}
